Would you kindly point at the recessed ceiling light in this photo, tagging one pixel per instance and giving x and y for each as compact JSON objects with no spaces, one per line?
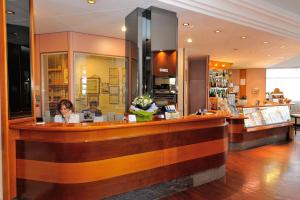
{"x":235,"y":49}
{"x":91,"y":1}
{"x":243,"y":37}
{"x":266,"y":42}
{"x":218,"y":31}
{"x":269,"y":55}
{"x":189,"y":40}
{"x":11,"y":12}
{"x":124,"y":28}
{"x":282,"y":46}
{"x":186,"y":24}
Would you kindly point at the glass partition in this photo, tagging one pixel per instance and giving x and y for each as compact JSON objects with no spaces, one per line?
{"x":55,"y":82}
{"x":99,"y":83}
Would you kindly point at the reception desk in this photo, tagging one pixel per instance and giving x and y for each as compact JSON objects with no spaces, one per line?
{"x":98,"y":160}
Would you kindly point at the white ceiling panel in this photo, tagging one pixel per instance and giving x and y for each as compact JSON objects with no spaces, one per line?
{"x":106,"y":18}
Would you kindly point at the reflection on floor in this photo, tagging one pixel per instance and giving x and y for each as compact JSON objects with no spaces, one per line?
{"x":264,"y":173}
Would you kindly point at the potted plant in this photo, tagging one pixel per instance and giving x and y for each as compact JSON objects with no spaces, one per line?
{"x":243,"y":100}
{"x":143,"y":107}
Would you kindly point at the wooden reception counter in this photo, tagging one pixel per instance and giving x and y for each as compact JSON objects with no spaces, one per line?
{"x":97,"y":160}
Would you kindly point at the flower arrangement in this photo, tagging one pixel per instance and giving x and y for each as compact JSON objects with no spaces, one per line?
{"x":143,"y":107}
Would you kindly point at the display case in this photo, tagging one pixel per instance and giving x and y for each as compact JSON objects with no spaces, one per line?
{"x":267,"y":115}
{"x":258,"y":126}
{"x":55,"y":81}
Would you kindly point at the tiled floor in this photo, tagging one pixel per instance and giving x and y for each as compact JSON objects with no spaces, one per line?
{"x":265,"y":173}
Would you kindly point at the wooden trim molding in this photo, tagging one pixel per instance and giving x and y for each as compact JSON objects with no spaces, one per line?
{"x":32,"y":58}
{"x":8,"y":142}
{"x":7,"y":188}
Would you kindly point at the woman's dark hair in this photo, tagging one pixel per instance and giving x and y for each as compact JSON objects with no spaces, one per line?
{"x":64,"y":102}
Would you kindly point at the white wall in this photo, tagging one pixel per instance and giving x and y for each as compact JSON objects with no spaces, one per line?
{"x":180,"y":81}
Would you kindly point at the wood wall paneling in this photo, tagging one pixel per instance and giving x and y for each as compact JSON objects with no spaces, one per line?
{"x":166,"y":60}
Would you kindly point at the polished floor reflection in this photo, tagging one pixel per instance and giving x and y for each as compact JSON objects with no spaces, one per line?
{"x":264,"y":173}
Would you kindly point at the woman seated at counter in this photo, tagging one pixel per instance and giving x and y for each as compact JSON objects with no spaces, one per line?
{"x":65,"y":110}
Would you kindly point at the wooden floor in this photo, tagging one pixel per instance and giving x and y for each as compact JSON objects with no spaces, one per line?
{"x":269,"y":172}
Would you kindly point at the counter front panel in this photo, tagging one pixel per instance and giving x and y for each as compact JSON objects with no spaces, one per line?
{"x":110,"y":161}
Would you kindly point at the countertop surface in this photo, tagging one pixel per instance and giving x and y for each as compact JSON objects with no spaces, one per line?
{"x":51,"y":126}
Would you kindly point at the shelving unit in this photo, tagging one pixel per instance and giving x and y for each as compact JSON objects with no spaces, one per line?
{"x":55,"y":81}
{"x":219,"y":80}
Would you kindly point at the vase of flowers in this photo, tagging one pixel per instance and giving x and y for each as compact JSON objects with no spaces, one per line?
{"x":144,"y":108}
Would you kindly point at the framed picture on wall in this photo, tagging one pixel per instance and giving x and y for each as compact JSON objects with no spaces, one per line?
{"x":93,"y":86}
{"x":113,"y":71}
{"x":114,"y":90}
{"x":105,"y":88}
{"x":94,"y":99}
{"x":113,"y":99}
{"x":114,"y":80}
{"x":114,"y":76}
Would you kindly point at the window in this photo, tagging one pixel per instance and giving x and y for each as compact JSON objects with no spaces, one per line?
{"x":287,"y":80}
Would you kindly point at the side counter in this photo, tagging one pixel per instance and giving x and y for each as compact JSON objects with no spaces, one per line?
{"x":259,"y":125}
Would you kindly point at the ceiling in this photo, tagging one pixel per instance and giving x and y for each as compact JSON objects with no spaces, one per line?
{"x":288,"y":5}
{"x":107,"y":17}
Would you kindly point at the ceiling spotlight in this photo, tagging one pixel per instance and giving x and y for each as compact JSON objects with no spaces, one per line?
{"x":186,"y":24}
{"x":235,"y":49}
{"x":124,"y":29}
{"x":266,"y":42}
{"x":189,"y":40}
{"x":244,"y":37}
{"x":269,"y":55}
{"x":218,"y":31}
{"x":10,"y":12}
{"x":91,"y":1}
